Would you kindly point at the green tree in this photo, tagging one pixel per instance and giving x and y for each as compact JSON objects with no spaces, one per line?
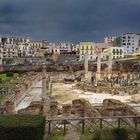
{"x":118,"y":42}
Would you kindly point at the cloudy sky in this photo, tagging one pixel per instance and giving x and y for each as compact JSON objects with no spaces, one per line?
{"x":73,"y":20}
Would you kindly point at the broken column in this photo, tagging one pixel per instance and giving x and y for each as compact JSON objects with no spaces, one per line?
{"x":53,"y":108}
{"x":98,"y":74}
{"x":109,"y":65}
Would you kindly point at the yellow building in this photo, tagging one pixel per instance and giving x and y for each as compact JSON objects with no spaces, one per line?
{"x":36,"y":46}
{"x":116,"y":52}
{"x":56,"y":51}
{"x":86,"y":47}
{"x":136,"y":51}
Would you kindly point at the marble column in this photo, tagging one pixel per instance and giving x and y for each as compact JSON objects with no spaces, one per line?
{"x":44,"y":85}
{"x":86,"y":64}
{"x":98,"y":74}
{"x":109,"y":65}
{"x":1,"y":57}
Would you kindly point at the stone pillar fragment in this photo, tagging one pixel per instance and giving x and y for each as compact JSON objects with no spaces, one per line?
{"x":53,"y":108}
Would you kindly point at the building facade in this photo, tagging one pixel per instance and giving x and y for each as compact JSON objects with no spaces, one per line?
{"x":115,"y":52}
{"x":110,"y":40}
{"x":14,"y":40}
{"x":130,"y":42}
{"x":9,"y":51}
{"x":64,"y":47}
{"x":100,"y":47}
{"x":87,"y":48}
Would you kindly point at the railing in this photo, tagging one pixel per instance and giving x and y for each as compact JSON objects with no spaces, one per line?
{"x":101,"y":123}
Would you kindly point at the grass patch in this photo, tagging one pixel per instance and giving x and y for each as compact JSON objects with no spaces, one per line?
{"x":4,"y":76}
{"x":3,"y":98}
{"x":94,"y":133}
{"x":56,"y":134}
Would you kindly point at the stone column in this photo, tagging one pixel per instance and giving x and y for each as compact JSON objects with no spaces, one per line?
{"x":98,"y":74}
{"x":86,"y":64}
{"x":1,"y":57}
{"x":109,"y":65}
{"x":44,"y":85}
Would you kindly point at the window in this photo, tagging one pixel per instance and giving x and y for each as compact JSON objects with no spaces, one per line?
{"x":91,"y":52}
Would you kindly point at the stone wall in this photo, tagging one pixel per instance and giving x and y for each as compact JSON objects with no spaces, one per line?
{"x":35,"y":108}
{"x":112,"y":107}
{"x":83,"y":108}
{"x":121,"y":66}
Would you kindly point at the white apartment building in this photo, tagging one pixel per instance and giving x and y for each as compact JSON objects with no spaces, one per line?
{"x":62,"y":46}
{"x":14,"y":40}
{"x":130,"y":42}
{"x":8,"y":51}
{"x":23,"y":50}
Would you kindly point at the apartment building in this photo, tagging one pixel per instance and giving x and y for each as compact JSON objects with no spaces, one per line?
{"x":8,"y":51}
{"x":130,"y":42}
{"x":23,"y":50}
{"x":63,"y":46}
{"x":100,"y":47}
{"x":86,"y":48}
{"x":116,"y":52}
{"x":110,"y":40}
{"x":34,"y":47}
{"x":14,"y":40}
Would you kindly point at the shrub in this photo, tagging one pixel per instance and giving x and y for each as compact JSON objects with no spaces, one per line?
{"x":120,"y":134}
{"x":10,"y":74}
{"x":22,"y":127}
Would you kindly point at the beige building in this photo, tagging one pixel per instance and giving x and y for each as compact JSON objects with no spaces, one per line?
{"x":116,"y":52}
{"x":14,"y":40}
{"x":8,"y":52}
{"x":86,"y":48}
{"x":110,"y":40}
{"x":136,"y":51}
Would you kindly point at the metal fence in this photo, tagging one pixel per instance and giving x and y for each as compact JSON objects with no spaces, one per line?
{"x":101,"y":123}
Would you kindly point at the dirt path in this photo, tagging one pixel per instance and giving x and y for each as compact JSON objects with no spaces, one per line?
{"x":72,"y":134}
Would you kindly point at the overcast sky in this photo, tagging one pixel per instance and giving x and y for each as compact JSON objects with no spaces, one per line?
{"x":73,"y":20}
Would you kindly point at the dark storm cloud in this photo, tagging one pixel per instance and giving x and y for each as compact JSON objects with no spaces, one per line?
{"x":74,"y":20}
